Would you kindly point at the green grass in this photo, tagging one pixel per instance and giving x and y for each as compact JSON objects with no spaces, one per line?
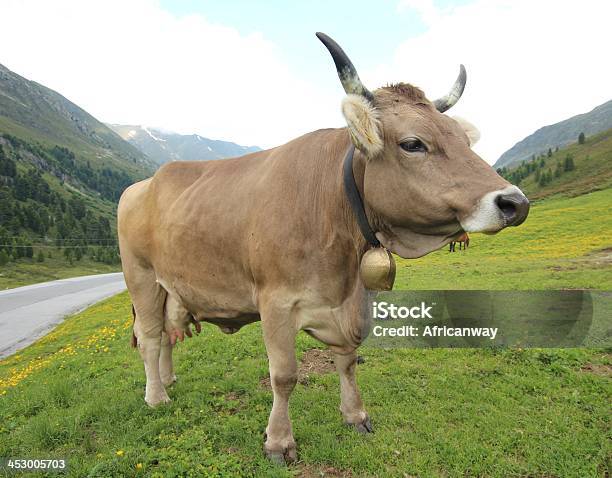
{"x":29,"y":271}
{"x":78,"y":393}
{"x":565,"y":243}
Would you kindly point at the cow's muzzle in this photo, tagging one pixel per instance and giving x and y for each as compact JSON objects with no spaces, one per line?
{"x":514,"y":208}
{"x":497,"y":210}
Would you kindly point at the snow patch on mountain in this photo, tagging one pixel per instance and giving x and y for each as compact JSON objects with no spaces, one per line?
{"x":146,"y":130}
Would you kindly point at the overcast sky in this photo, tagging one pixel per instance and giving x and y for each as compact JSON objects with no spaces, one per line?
{"x":254,"y":73}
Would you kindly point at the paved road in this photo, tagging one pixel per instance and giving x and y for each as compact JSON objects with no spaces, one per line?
{"x":27,"y":313}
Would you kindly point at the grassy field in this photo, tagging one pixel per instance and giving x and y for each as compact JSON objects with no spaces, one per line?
{"x":566,"y":243}
{"x":29,"y":271}
{"x":78,"y":393}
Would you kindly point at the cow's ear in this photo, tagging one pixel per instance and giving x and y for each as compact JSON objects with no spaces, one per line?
{"x":470,"y":130}
{"x":363,"y":124}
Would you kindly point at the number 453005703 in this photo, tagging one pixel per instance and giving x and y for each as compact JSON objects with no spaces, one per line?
{"x":33,"y":464}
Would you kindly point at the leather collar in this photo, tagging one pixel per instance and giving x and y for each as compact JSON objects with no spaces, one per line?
{"x":354,"y":199}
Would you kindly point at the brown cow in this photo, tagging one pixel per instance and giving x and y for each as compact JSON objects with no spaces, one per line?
{"x":462,"y":240}
{"x":271,"y":236}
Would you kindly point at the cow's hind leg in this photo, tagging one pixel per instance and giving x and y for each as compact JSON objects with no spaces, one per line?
{"x":350,"y":401}
{"x":148,"y":298}
{"x":166,"y":368}
{"x":279,"y":337}
{"x":149,"y":346}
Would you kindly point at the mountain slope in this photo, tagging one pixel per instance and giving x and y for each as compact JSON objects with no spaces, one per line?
{"x":34,"y":112}
{"x":61,"y":175}
{"x":558,"y":135}
{"x":49,"y":133}
{"x":574,"y":170}
{"x":163,"y":146}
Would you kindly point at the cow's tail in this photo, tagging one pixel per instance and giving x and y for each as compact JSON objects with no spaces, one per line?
{"x":134,"y":339}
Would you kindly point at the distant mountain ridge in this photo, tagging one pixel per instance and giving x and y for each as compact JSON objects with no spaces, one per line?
{"x":164,"y":146}
{"x":558,"y":135}
{"x":32,"y":111}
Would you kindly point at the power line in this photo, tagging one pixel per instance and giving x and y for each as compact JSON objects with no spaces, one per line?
{"x":60,"y":238}
{"x":35,"y":246}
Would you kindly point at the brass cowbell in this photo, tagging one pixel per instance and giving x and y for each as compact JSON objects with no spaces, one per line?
{"x":377,"y":269}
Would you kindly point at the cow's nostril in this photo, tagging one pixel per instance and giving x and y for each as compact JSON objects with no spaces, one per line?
{"x":508,"y":208}
{"x":514,"y":207}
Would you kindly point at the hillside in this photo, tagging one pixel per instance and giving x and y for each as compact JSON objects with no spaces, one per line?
{"x":558,"y":135}
{"x":61,"y":174}
{"x":571,"y":171}
{"x":33,"y":112}
{"x":164,"y":146}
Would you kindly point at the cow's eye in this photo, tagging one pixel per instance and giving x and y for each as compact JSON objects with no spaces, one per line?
{"x":413,"y":145}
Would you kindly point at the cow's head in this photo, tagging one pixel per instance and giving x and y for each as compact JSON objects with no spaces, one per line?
{"x":422,"y":183}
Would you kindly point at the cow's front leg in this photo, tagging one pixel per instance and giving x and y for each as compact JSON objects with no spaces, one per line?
{"x":279,"y":337}
{"x":350,"y":401}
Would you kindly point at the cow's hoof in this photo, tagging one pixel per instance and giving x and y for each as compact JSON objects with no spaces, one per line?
{"x":229,"y":330}
{"x":364,"y":427}
{"x":281,"y":457}
{"x":169,"y":381}
{"x":157,"y":400}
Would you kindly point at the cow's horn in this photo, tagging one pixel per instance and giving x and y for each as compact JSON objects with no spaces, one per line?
{"x":446,"y":102}
{"x":346,"y":71}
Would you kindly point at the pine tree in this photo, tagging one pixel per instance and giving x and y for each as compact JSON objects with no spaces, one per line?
{"x":542,"y":180}
{"x":7,"y":165}
{"x":4,"y":258}
{"x":581,"y":138}
{"x":68,"y":255}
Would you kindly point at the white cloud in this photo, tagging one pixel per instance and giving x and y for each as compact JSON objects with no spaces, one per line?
{"x":132,"y":62}
{"x":426,"y":9}
{"x":529,"y":63}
